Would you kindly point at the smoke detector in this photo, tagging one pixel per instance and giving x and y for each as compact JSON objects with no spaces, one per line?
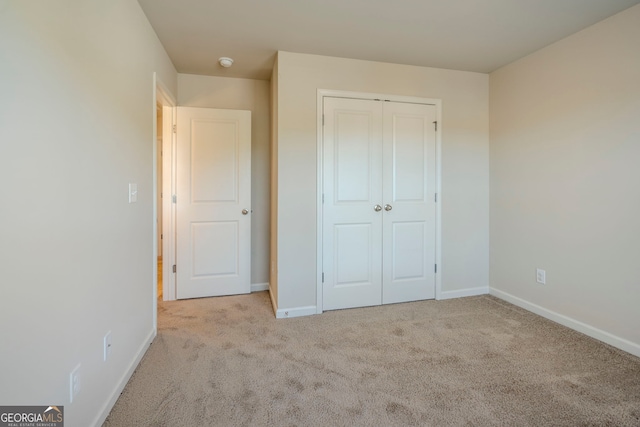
{"x":225,"y":62}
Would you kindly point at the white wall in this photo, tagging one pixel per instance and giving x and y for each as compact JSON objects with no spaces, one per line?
{"x":242,"y":94}
{"x":76,"y":118}
{"x":465,"y":164}
{"x":565,"y":180}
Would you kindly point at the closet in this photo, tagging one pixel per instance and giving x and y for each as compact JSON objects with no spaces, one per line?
{"x":378,"y":202}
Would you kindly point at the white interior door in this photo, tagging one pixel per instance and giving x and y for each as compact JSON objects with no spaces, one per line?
{"x":213,"y":202}
{"x":378,"y":202}
{"x":409,"y":225}
{"x":352,"y":227}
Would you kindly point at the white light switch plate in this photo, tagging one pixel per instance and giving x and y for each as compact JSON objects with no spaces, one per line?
{"x":133,"y":193}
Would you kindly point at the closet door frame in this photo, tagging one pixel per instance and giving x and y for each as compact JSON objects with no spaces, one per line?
{"x":321,"y":94}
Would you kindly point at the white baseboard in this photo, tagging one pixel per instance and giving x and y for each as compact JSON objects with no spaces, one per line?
{"x":468,"y":292}
{"x":106,"y":408}
{"x":286,"y":313}
{"x":576,"y":325}
{"x":258,"y":287}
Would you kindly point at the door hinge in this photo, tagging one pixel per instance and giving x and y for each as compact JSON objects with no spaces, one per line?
{"x":175,"y":128}
{"x":322,"y":277}
{"x":323,"y":198}
{"x":174,"y":199}
{"x":323,"y":120}
{"x":174,"y":268}
{"x":436,"y":123}
{"x":435,"y":268}
{"x":435,"y":199}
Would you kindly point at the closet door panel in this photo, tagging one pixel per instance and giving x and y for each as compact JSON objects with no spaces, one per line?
{"x":352,"y":228}
{"x":408,"y":193}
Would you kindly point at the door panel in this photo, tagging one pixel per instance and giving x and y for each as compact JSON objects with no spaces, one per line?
{"x":213,"y":237}
{"x":215,"y":249}
{"x":409,"y":171}
{"x":352,"y":254}
{"x":409,"y":189}
{"x":215,"y":149}
{"x":352,"y":156}
{"x":352,"y":229}
{"x":408,"y":250}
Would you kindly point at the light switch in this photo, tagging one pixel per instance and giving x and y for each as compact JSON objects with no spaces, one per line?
{"x":133,"y":193}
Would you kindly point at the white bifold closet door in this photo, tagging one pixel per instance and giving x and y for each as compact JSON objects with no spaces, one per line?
{"x":379,"y":202}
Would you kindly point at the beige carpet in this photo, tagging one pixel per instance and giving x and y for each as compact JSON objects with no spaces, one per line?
{"x":474,"y":361}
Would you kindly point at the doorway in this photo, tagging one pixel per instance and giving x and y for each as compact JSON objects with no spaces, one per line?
{"x":159,"y":235}
{"x":164,"y":179}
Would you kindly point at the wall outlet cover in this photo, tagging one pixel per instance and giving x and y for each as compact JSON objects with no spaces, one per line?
{"x":74,"y":383}
{"x":107,"y":346}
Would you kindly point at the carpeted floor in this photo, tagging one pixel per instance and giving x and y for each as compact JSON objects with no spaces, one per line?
{"x":474,"y":361}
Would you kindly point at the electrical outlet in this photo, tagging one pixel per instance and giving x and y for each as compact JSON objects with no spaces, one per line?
{"x":107,"y":346}
{"x":74,"y":383}
{"x":541,"y":276}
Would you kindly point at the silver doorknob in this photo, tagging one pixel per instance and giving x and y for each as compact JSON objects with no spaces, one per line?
{"x":377,"y":208}
{"x":244,"y":211}
{"x":388,"y":207}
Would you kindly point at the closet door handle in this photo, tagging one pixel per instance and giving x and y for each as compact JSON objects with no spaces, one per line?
{"x":244,"y":211}
{"x":388,"y":207}
{"x":377,"y":208}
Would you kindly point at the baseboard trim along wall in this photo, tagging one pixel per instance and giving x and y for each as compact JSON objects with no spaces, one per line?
{"x":106,"y":409}
{"x":468,"y":292}
{"x":258,"y":287}
{"x":286,"y":313}
{"x":576,"y":325}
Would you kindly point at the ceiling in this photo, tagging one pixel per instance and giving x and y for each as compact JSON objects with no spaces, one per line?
{"x":469,"y":35}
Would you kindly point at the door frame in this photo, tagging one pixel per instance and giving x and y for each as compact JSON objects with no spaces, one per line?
{"x":163,"y":96}
{"x":323,"y":93}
